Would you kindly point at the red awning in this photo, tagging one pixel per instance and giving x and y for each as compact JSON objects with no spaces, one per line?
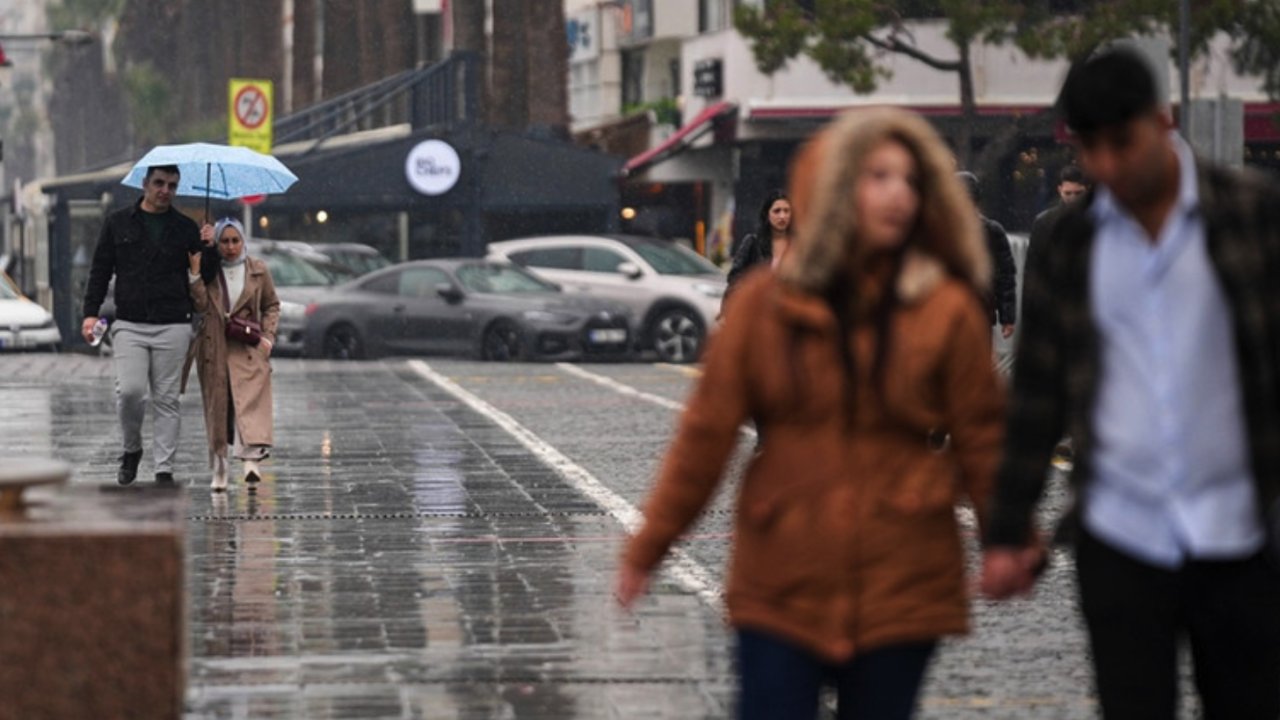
{"x":680,"y":138}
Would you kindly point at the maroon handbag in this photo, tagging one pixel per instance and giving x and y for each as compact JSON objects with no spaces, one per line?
{"x":240,"y":329}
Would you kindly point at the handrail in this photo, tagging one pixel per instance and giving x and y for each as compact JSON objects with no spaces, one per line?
{"x":422,"y":97}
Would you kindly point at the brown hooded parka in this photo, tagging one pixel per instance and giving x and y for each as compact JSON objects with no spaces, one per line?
{"x":846,"y":536}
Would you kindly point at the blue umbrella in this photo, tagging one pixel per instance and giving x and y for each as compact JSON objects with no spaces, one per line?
{"x":221,"y":171}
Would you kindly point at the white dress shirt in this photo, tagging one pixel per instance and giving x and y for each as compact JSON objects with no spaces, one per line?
{"x":1171,"y":474}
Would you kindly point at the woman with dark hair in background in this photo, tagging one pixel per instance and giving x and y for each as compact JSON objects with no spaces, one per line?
{"x":770,"y":240}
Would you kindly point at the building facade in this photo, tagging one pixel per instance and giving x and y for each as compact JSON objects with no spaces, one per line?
{"x":736,"y":129}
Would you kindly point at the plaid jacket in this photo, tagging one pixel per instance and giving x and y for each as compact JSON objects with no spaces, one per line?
{"x":1057,"y":370}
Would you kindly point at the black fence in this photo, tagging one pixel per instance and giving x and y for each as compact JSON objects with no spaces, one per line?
{"x":442,"y":95}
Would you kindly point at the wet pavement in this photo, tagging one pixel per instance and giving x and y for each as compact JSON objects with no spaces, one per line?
{"x":438,"y":540}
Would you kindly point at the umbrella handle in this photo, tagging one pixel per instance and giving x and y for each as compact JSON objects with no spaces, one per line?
{"x":208,"y":178}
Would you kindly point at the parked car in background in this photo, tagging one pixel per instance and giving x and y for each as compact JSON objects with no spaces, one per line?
{"x":359,"y":257}
{"x":494,"y":311}
{"x":673,"y":292}
{"x":301,"y":277}
{"x":24,"y":325}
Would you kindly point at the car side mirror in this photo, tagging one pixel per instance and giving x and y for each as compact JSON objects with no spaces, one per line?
{"x":449,"y":292}
{"x":631,"y":270}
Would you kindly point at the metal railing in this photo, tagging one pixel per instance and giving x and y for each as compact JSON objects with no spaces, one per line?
{"x":441,"y":95}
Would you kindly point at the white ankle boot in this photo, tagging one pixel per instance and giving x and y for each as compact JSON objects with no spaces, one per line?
{"x":252,"y":474}
{"x":219,"y":483}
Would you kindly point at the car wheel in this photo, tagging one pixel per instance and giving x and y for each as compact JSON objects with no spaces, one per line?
{"x":342,"y":342}
{"x":677,"y":335}
{"x":501,"y":342}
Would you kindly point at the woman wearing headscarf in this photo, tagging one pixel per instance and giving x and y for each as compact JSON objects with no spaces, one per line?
{"x":234,"y":367}
{"x":880,"y":411}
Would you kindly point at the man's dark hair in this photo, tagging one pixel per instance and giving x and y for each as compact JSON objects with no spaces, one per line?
{"x":1072,"y":174}
{"x":1107,"y":89}
{"x":171,"y":169}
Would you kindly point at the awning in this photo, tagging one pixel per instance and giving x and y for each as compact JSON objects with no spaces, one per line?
{"x":681,"y":138}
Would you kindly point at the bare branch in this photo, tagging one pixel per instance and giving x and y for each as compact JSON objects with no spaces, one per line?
{"x":895,"y":45}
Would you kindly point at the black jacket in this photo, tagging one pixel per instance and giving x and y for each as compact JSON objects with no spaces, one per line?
{"x":151,"y":278}
{"x":751,"y":252}
{"x":1003,"y":305}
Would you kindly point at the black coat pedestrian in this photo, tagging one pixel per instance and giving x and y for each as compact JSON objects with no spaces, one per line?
{"x":752,"y":251}
{"x":1002,"y":308}
{"x":151,"y":277}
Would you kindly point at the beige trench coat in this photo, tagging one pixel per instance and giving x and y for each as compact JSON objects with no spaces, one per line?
{"x":219,"y":360}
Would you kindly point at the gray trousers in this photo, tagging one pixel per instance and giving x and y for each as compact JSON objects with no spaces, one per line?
{"x":148,"y":360}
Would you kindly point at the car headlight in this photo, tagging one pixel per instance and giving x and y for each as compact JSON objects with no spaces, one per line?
{"x":545,"y":316}
{"x":710,"y":290}
{"x":292,"y":311}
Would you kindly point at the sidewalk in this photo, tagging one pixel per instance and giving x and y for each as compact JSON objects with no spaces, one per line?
{"x":402,"y":559}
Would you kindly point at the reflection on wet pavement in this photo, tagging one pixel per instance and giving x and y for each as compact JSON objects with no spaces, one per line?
{"x":403,"y":558}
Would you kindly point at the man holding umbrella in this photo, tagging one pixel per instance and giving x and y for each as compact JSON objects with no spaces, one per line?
{"x":145,"y":247}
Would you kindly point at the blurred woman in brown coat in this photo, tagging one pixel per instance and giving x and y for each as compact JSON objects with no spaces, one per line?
{"x":235,"y":375}
{"x":865,"y":359}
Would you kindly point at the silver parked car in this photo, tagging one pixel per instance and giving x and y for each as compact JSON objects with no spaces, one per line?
{"x":673,"y":292}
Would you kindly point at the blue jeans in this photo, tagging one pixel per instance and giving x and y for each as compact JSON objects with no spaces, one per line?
{"x":781,"y":680}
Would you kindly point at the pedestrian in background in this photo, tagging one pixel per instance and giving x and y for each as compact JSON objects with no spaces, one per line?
{"x":1072,"y":186}
{"x":235,"y":373}
{"x":1152,"y":337}
{"x":146,"y":247}
{"x":866,"y":359}
{"x":769,"y":242}
{"x":1003,"y":295}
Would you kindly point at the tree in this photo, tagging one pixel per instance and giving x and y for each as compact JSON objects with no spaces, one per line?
{"x":848,"y":38}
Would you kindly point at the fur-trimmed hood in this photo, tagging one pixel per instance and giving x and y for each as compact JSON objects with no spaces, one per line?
{"x":948,"y":236}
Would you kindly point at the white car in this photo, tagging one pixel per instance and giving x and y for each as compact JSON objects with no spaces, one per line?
{"x":25,"y":325}
{"x":673,"y":292}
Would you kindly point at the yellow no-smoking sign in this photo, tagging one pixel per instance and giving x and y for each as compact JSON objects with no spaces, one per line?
{"x":249,"y":124}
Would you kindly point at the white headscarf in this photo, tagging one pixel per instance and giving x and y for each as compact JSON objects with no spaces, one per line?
{"x":223,"y":224}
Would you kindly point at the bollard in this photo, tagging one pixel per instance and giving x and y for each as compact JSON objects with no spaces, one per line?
{"x":92,"y":610}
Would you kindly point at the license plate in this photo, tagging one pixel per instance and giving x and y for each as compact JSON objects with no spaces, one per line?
{"x":607,"y":337}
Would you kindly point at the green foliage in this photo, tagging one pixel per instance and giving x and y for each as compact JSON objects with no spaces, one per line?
{"x":778,"y":33}
{"x":666,"y":111}
{"x":82,"y":14}
{"x":849,"y":38}
{"x":147,"y":92}
{"x":1258,"y":48}
{"x":1043,"y":34}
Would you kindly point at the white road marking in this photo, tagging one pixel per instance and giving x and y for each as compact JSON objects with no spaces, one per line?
{"x":627,"y":390}
{"x":620,"y":388}
{"x":687,"y":572}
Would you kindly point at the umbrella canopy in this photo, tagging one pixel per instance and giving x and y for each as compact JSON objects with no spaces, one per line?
{"x":220,"y":171}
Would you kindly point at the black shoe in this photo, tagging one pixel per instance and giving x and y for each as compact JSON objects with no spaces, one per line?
{"x":164,"y":478}
{"x":128,"y":467}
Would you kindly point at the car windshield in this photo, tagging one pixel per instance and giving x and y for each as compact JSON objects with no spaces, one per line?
{"x":6,"y":292}
{"x":292,"y":271}
{"x":360,"y":262}
{"x":673,"y":259}
{"x":486,"y":278}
